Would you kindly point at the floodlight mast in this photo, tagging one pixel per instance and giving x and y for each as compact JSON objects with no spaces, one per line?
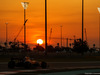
{"x":99,"y":26}
{"x":6,"y":35}
{"x":61,"y":36}
{"x":82,"y":22}
{"x":45,"y":27}
{"x":25,"y":5}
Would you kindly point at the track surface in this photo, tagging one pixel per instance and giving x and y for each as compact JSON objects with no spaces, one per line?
{"x":53,"y":65}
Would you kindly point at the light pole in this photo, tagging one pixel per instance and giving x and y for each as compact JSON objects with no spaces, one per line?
{"x":45,"y":27}
{"x":6,"y":35}
{"x":25,"y":5}
{"x":82,"y":22}
{"x":99,"y":26}
{"x":61,"y":36}
{"x":66,"y":42}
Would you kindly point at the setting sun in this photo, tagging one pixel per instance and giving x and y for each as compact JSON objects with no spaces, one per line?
{"x":39,"y":41}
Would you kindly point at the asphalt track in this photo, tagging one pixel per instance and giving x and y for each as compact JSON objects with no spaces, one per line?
{"x":52,"y":66}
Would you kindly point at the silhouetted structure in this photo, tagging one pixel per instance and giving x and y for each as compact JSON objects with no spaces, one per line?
{"x":39,"y":48}
{"x":79,"y":47}
{"x":50,"y":48}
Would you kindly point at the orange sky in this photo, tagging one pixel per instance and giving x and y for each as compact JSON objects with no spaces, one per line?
{"x":60,"y":12}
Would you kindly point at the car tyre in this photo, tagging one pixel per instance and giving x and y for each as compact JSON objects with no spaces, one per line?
{"x":11,"y":64}
{"x":43,"y":65}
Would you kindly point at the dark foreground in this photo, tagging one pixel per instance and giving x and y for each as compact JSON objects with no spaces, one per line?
{"x":69,"y":62}
{"x":54,"y":67}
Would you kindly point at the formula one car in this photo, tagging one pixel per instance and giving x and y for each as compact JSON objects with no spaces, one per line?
{"x":26,"y":63}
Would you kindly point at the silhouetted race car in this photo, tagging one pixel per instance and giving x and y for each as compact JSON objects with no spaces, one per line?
{"x":26,"y":63}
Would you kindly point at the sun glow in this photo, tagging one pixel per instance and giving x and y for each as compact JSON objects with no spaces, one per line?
{"x":39,"y":41}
